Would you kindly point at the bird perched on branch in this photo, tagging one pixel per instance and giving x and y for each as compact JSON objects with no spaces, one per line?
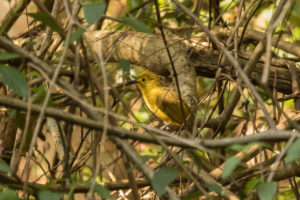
{"x":163,"y":101}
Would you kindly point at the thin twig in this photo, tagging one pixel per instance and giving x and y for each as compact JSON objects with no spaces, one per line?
{"x":170,"y":57}
{"x":232,"y":61}
{"x":271,"y":28}
{"x":271,"y":135}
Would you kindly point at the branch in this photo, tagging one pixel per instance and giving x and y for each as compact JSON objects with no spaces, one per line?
{"x":80,"y":188}
{"x":270,"y":136}
{"x":253,"y":36}
{"x":280,"y":174}
{"x":135,"y":157}
{"x":12,"y":15}
{"x":45,"y":70}
{"x":208,"y":64}
{"x":204,"y":60}
{"x":147,"y":50}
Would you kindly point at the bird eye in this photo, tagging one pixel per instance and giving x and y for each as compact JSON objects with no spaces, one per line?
{"x":143,"y":79}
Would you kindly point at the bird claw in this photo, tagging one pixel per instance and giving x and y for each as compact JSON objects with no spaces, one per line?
{"x":165,"y":127}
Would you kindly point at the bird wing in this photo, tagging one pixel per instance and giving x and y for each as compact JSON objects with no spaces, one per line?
{"x":169,"y":104}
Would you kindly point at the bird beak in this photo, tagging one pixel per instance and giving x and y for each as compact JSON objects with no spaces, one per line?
{"x":131,"y":82}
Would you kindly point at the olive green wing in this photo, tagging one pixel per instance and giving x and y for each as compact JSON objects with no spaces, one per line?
{"x":170,"y":105}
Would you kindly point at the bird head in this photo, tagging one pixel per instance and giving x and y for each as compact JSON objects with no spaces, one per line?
{"x":146,"y":79}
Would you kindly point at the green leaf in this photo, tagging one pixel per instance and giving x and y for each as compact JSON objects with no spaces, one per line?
{"x":229,"y":166}
{"x":100,"y":190}
{"x":49,"y":195}
{"x":9,"y":56}
{"x":135,"y":3}
{"x":125,"y":66}
{"x":39,"y":94}
{"x":237,"y":147}
{"x":197,"y":160}
{"x":8,"y":195}
{"x":266,"y":191}
{"x":14,"y":80}
{"x":242,"y":147}
{"x":136,"y":24}
{"x":292,"y":153}
{"x":192,"y":195}
{"x":47,"y":20}
{"x":162,"y":178}
{"x":214,"y":188}
{"x":93,"y":12}
{"x":76,"y":34}
{"x":5,"y":167}
{"x":251,"y":184}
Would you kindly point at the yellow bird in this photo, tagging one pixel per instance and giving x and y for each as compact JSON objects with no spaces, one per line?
{"x":163,"y":101}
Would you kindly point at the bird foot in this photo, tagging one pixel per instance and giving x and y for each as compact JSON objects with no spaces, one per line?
{"x":165,"y":127}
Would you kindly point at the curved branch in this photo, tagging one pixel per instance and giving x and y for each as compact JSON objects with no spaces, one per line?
{"x":148,"y":50}
{"x":271,"y":135}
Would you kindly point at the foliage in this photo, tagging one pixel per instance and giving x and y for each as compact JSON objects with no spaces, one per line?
{"x":96,"y":129}
{"x":266,"y":191}
{"x":162,"y":178}
{"x":14,"y":79}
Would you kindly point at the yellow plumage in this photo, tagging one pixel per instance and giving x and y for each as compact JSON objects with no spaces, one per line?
{"x":163,"y":101}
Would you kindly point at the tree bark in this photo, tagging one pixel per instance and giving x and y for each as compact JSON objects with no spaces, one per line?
{"x":147,"y":50}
